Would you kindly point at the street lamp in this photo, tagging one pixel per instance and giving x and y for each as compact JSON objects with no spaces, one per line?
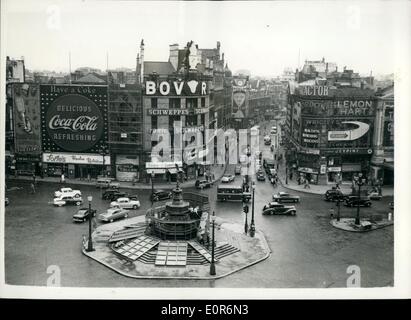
{"x":360,"y":181}
{"x":339,"y":200}
{"x":252,"y":226}
{"x":90,"y":241}
{"x":245,"y":209}
{"x":103,"y":152}
{"x":286,"y":174}
{"x":212,"y":265}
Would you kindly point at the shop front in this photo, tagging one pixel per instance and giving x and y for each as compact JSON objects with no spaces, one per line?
{"x":163,"y":171}
{"x":127,"y":167}
{"x":28,"y":164}
{"x":82,"y":166}
{"x":309,"y":174}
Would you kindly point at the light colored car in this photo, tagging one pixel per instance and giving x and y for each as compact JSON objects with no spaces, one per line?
{"x":374,"y":195}
{"x":125,"y":203}
{"x":113,"y":214}
{"x":285,"y":197}
{"x":237,"y":169}
{"x":67,"y":192}
{"x":65,"y":200}
{"x":227,"y":178}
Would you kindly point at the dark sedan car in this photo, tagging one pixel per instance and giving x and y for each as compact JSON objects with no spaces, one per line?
{"x":260,"y":176}
{"x":83,"y":214}
{"x":109,"y":193}
{"x":334,"y":195}
{"x":353,"y":201}
{"x":161,"y":195}
{"x":279,"y":209}
{"x":285,"y":197}
{"x":202,"y":184}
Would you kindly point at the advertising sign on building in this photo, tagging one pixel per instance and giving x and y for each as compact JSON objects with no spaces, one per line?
{"x":388,"y":135}
{"x":239,"y":104}
{"x":354,"y":107}
{"x":74,"y":118}
{"x":176,"y":88}
{"x":49,"y":157}
{"x":27,"y":117}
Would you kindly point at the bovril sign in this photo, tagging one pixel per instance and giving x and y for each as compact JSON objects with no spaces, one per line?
{"x":74,"y":122}
{"x":176,"y":88}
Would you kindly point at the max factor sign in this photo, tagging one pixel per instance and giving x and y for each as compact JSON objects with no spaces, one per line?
{"x":313,"y":90}
{"x":178,"y":88}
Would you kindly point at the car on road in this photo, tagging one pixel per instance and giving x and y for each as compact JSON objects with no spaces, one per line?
{"x":158,"y":195}
{"x":237,"y":169}
{"x":374,"y":195}
{"x":83,"y":214}
{"x":118,"y":195}
{"x":67,"y":192}
{"x":353,"y":201}
{"x":279,"y":209}
{"x":107,"y":194}
{"x":202,"y":184}
{"x":267,"y":140}
{"x":227,"y":178}
{"x":285,"y":197}
{"x":67,"y":200}
{"x":113,"y":214}
{"x":125,"y":203}
{"x":260,"y":176}
{"x":107,"y":183}
{"x":334,"y":195}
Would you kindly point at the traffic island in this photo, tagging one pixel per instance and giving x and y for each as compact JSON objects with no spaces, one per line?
{"x":234,"y":251}
{"x":348,"y":224}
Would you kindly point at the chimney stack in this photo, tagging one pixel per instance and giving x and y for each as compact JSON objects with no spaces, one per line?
{"x":173,"y":59}
{"x":142,"y":61}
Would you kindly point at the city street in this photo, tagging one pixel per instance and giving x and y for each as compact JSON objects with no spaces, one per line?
{"x":306,"y":250}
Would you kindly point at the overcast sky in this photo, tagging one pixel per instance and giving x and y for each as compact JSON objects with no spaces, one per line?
{"x":263,"y":37}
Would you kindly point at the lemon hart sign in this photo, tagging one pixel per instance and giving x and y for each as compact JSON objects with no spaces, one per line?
{"x":73,"y":118}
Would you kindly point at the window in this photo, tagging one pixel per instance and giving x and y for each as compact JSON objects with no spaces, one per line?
{"x":202,"y":102}
{"x":154,"y":102}
{"x":191,"y":120}
{"x":154,"y":123}
{"x":174,"y":103}
{"x":192,"y":103}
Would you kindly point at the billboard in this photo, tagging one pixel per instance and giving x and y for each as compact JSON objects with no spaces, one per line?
{"x":26,"y":109}
{"x":388,"y":134}
{"x":348,"y":107}
{"x":73,"y":117}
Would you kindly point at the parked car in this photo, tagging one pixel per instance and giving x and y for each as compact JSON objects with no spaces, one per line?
{"x":107,"y":194}
{"x":237,"y":169}
{"x":83,"y":214}
{"x":267,"y":140}
{"x":67,"y":192}
{"x":279,"y":209}
{"x":113,"y":214}
{"x":227,"y":178}
{"x":66,"y":200}
{"x":374,"y":195}
{"x":116,"y":196}
{"x":353,"y":201}
{"x":161,"y":195}
{"x":285,"y":197}
{"x":107,"y":183}
{"x":202,"y":184}
{"x":260,"y":176}
{"x":334,"y":195}
{"x":125,"y":203}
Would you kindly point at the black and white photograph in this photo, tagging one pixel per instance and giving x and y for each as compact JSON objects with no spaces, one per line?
{"x":205,"y":149}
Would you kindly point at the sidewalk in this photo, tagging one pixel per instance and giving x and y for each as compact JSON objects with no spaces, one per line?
{"x":319,"y":189}
{"x":218,"y":171}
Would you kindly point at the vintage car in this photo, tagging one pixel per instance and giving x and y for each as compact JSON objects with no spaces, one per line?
{"x":260,"y":176}
{"x":267,"y":140}
{"x":83,"y":214}
{"x":118,"y":195}
{"x":66,"y":200}
{"x":334,"y":195}
{"x":67,"y":192}
{"x":285,"y":197}
{"x":279,"y":209}
{"x":353,"y":201}
{"x":125,"y":203}
{"x":113,"y":214}
{"x":374,"y":195}
{"x":107,"y":194}
{"x":107,"y":183}
{"x":227,"y":178}
{"x":237,"y":169}
{"x":202,"y":184}
{"x":158,"y":195}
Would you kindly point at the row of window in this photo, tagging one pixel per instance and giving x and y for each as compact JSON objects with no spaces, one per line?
{"x":175,"y":103}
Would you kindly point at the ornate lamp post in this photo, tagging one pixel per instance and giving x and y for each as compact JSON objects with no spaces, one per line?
{"x":286,"y":174}
{"x":245,"y":209}
{"x":360,"y":181}
{"x":90,"y":241}
{"x":212,"y":265}
{"x":252,"y":226}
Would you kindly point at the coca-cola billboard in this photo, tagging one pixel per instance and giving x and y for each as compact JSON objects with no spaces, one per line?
{"x":74,"y":118}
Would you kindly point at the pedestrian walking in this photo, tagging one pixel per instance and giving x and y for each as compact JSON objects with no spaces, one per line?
{"x":33,"y":188}
{"x":34,"y":179}
{"x":307,"y":184}
{"x":62,"y":179}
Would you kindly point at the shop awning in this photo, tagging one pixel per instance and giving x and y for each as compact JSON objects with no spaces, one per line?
{"x":172,"y":170}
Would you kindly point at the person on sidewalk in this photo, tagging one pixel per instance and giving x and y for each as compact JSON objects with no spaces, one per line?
{"x":33,"y":188}
{"x":34,"y":179}
{"x":62,"y":178}
{"x":307,"y":184}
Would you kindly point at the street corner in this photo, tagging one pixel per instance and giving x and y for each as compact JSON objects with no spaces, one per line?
{"x":348,"y":224}
{"x":145,"y":256}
